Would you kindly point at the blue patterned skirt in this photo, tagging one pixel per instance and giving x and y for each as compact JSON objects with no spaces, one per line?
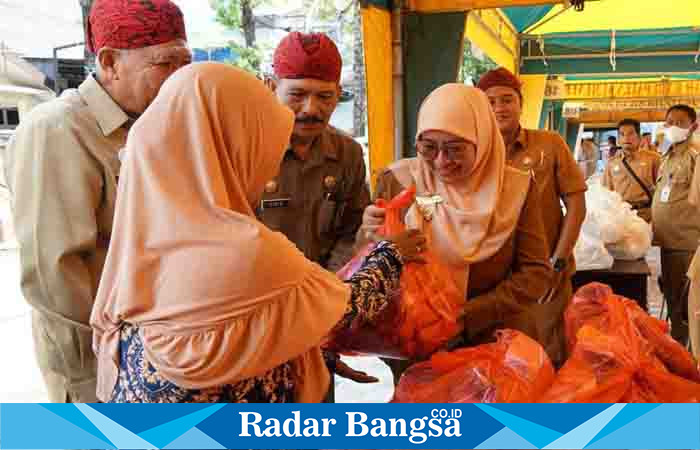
{"x":140,"y":382}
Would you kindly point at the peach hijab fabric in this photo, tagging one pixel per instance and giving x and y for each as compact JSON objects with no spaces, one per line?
{"x":217,"y":296}
{"x":480,"y":212}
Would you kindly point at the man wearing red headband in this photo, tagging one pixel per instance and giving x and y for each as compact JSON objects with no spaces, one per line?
{"x":62,"y":168}
{"x":547,"y":157}
{"x":318,"y":198}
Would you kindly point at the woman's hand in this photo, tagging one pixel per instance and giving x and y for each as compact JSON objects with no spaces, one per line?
{"x":410,"y":244}
{"x":345,"y":371}
{"x":372,"y":221}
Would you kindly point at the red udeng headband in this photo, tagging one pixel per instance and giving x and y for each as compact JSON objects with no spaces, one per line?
{"x":312,"y":55}
{"x":129,"y":24}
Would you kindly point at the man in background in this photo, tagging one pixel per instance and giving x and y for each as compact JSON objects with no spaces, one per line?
{"x":320,"y":194}
{"x":647,"y":143}
{"x":547,"y":157}
{"x":675,"y":217}
{"x":632,"y":172}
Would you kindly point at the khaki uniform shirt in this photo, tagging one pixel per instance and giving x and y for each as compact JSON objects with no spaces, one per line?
{"x":556,"y":174}
{"x":694,"y":199}
{"x":62,"y":167}
{"x":588,"y":159}
{"x":318,"y":202}
{"x":617,"y":178}
{"x":675,"y":220}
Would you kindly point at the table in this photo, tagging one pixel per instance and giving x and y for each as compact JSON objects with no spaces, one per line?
{"x":626,"y":278}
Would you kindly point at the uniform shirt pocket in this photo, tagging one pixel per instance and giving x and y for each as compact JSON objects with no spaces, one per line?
{"x":327,"y":216}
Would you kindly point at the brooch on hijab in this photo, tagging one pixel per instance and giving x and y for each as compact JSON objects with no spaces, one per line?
{"x":426,"y":205}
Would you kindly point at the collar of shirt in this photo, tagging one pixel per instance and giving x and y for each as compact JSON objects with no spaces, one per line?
{"x":631,"y":155}
{"x":108,"y":113}
{"x":321,"y":150}
{"x":520,"y":142}
{"x":677,"y":148}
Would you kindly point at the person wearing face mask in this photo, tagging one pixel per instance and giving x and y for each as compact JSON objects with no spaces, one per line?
{"x":632,"y":172}
{"x":62,"y":168}
{"x":694,"y":272}
{"x":480,"y":216}
{"x":676,"y":222}
{"x":320,"y":193}
{"x":558,"y":179}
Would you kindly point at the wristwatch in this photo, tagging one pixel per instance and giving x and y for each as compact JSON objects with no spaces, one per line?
{"x":558,"y":264}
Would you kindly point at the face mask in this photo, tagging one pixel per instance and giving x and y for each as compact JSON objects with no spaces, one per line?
{"x":676,"y":134}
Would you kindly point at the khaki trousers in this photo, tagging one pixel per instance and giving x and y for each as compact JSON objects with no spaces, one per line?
{"x":674,"y":270}
{"x":66,"y":361}
{"x":694,"y":305}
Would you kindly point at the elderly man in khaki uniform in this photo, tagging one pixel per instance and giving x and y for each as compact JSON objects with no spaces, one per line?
{"x":547,"y":157}
{"x":694,"y":272}
{"x":318,"y":198}
{"x":675,"y":220}
{"x":62,"y":167}
{"x":632,"y":172}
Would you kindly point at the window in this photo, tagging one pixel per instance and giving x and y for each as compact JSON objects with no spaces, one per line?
{"x":9,"y":118}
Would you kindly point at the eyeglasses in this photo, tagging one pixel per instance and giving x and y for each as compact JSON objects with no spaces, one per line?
{"x":453,"y":150}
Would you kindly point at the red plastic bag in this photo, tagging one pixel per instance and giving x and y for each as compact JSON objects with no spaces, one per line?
{"x":672,"y":354}
{"x":603,"y":370}
{"x":515,"y":369}
{"x":612,"y":360}
{"x":591,"y":306}
{"x":420,"y":318}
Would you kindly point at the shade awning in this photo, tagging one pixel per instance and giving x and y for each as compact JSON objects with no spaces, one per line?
{"x":635,"y":37}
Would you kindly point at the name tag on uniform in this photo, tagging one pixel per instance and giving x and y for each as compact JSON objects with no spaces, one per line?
{"x":665,"y":194}
{"x":275,"y":203}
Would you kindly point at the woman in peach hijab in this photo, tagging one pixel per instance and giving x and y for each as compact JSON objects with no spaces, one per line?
{"x":480,"y":216}
{"x":198,"y":301}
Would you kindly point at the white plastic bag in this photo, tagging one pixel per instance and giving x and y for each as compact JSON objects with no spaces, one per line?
{"x":635,"y":243}
{"x":611,"y":222}
{"x":591,"y":254}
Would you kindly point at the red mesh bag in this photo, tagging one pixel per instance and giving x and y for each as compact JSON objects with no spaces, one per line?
{"x":420,"y":318}
{"x":612,"y":360}
{"x":514,"y":369}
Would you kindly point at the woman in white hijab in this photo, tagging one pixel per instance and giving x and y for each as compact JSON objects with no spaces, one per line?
{"x":199,"y":302}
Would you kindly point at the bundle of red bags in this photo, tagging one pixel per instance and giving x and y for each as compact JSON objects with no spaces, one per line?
{"x":514,"y":369}
{"x":420,"y":318}
{"x":621,"y":354}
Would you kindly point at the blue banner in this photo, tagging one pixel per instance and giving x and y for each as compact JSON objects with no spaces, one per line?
{"x":350,"y":426}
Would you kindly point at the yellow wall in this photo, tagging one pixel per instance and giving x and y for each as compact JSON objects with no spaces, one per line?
{"x":376,"y":29}
{"x":533,"y":98}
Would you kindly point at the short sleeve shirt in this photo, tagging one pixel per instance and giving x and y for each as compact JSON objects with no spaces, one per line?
{"x":550,"y":161}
